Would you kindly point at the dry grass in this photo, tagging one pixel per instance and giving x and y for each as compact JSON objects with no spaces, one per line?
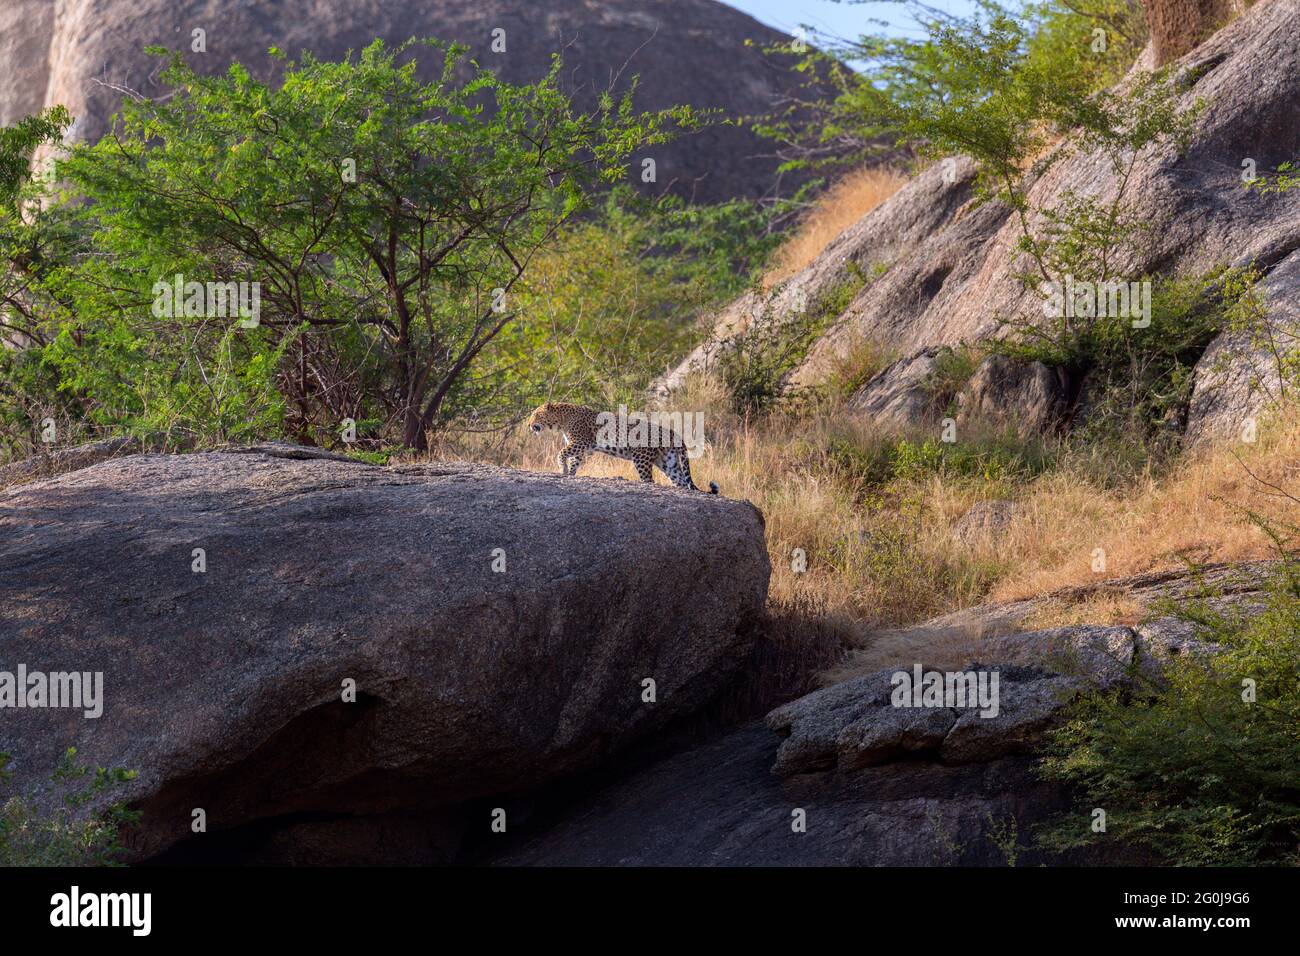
{"x":949,"y":649}
{"x":885,"y":554}
{"x":1198,"y":513}
{"x":1092,"y":609}
{"x":843,"y":204}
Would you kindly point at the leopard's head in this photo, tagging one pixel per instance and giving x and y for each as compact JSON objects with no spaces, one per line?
{"x":545,"y":416}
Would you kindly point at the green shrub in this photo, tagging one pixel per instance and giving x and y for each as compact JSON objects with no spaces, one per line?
{"x":1190,"y":770}
{"x":71,"y":835}
{"x":754,"y":363}
{"x":1032,"y":63}
{"x":618,"y":297}
{"x":998,"y":457}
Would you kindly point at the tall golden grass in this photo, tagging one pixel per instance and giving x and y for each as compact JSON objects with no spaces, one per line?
{"x":885,"y":554}
{"x":840,"y":206}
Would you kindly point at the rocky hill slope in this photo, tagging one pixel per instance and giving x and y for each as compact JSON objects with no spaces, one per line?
{"x":81,"y":52}
{"x":929,"y":267}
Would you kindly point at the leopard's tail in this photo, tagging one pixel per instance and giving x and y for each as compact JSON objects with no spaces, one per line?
{"x":679,"y":472}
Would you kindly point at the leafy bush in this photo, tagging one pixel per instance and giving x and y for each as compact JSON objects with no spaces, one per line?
{"x":1000,"y":79}
{"x":617,"y":298}
{"x":1132,"y":384}
{"x":1193,"y":769}
{"x":997,"y":456}
{"x":753,"y":363}
{"x":71,"y":835}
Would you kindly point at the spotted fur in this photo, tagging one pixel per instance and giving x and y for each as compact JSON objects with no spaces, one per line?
{"x":581,"y":430}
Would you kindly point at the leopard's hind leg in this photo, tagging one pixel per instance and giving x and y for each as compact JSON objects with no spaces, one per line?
{"x":674,"y":463}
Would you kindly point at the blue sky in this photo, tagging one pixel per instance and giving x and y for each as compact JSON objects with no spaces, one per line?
{"x":847,"y":20}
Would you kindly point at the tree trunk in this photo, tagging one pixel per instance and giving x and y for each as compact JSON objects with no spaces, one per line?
{"x":413,"y":433}
{"x":1177,"y":26}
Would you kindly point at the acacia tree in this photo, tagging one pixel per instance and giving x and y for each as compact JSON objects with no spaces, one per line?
{"x":26,"y":236}
{"x":386,"y":219}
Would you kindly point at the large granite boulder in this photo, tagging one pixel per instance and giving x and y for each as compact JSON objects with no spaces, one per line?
{"x":899,"y":396}
{"x":500,"y":628}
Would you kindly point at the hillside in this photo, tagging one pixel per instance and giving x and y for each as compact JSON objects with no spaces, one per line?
{"x":82,"y":53}
{"x":931,"y":268}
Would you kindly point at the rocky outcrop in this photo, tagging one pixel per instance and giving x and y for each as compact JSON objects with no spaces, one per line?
{"x":873,"y":251}
{"x":338,"y":656}
{"x":940,"y":266}
{"x":60,"y":460}
{"x":719,"y":805}
{"x":857,"y":723}
{"x":84,"y":53}
{"x":1240,"y":375}
{"x":1028,"y":396}
{"x":849,"y":778}
{"x":899,"y":396}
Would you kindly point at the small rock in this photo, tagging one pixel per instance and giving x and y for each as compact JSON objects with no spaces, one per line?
{"x":898,"y":396}
{"x":1029,"y":396}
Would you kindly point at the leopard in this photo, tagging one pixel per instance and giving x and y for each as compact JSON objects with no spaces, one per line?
{"x":580,"y":427}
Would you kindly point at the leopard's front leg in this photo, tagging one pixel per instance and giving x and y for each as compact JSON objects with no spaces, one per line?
{"x":572,"y":457}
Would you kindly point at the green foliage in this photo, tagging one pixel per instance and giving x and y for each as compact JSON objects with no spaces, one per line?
{"x":18,"y":144}
{"x":1287,"y":178}
{"x":1188,"y":769}
{"x":993,"y":83}
{"x":371,"y":457}
{"x":387,"y":221}
{"x":1064,"y":35}
{"x":720,"y":249}
{"x":71,"y":835}
{"x":1135,"y":383}
{"x":34,"y":242}
{"x":191,"y":385}
{"x":1266,"y":331}
{"x":616,"y":299}
{"x":753,"y":363}
{"x":996,"y":456}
